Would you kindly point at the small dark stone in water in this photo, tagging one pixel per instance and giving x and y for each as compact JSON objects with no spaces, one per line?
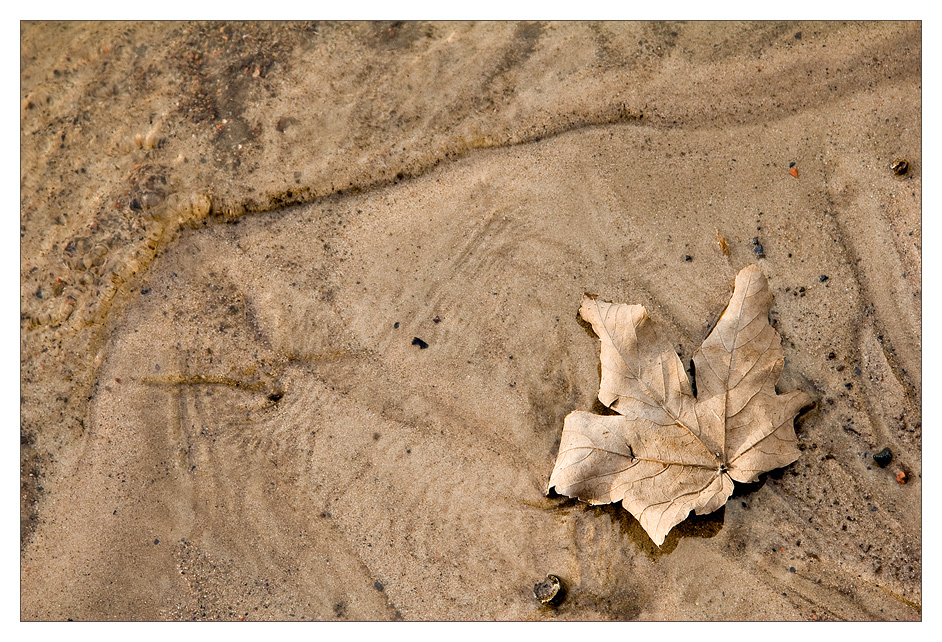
{"x":418,"y":342}
{"x":883,"y":458}
{"x":549,"y":591}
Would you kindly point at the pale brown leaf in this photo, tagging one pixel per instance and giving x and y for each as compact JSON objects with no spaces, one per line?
{"x":668,"y":453}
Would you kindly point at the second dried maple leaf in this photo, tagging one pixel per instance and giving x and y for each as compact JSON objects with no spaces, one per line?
{"x":667,"y":452}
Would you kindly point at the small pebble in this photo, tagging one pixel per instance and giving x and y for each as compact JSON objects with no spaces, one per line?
{"x":900,"y":166}
{"x":549,"y":590}
{"x":883,"y":458}
{"x":688,"y":258}
{"x":823,"y":278}
{"x":418,"y":342}
{"x":901,"y":477}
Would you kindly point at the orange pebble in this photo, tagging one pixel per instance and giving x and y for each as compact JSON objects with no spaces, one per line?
{"x":794,"y":172}
{"x":901,"y":477}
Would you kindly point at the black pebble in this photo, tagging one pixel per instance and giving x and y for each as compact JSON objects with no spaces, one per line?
{"x":688,"y":258}
{"x":760,"y":252}
{"x":396,"y":325}
{"x":418,"y":342}
{"x":823,"y":278}
{"x":156,"y":541}
{"x":883,"y":458}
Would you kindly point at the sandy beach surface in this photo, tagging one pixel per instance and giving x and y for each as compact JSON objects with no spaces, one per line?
{"x":233,"y":235}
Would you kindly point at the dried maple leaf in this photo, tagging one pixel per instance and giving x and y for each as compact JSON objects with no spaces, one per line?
{"x":667,"y":452}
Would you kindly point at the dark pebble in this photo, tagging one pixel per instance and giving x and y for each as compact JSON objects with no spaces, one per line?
{"x":791,"y":569}
{"x":437,"y":319}
{"x":883,"y":458}
{"x":396,"y":325}
{"x":156,"y":541}
{"x":823,"y":278}
{"x":378,"y":585}
{"x":759,"y":251}
{"x":688,"y":258}
{"x":418,"y":342}
{"x":549,"y":591}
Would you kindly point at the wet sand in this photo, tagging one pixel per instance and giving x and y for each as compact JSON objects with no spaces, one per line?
{"x":232,"y":234}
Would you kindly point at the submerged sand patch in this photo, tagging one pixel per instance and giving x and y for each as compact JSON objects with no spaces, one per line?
{"x":263,"y":439}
